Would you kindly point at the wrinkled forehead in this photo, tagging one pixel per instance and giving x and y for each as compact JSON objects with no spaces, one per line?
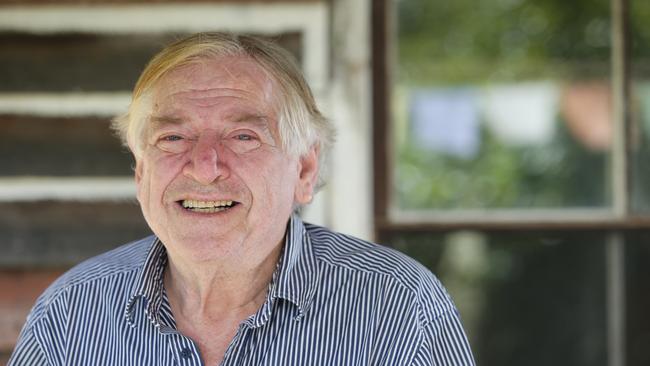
{"x":237,"y":76}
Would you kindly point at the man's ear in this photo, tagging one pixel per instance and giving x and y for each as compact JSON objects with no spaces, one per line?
{"x":307,"y":176}
{"x":138,"y":170}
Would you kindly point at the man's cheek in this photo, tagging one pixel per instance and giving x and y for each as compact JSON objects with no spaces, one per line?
{"x":142,"y":185}
{"x":139,"y":194}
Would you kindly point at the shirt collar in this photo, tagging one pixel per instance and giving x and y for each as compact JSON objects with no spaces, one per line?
{"x":149,"y":284}
{"x":295,"y":278}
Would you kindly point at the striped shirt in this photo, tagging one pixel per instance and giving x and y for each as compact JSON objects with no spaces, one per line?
{"x":333,"y":300}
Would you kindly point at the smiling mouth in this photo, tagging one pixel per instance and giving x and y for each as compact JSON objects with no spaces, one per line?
{"x":207,"y":206}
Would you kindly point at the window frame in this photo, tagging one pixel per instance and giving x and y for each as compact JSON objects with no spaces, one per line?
{"x":613,"y":221}
{"x":616,"y":216}
{"x":309,"y":19}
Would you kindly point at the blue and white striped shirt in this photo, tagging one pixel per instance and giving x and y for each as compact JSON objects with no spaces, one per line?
{"x":333,"y":300}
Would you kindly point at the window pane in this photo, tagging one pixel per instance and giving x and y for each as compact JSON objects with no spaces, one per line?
{"x":84,"y":61}
{"x":60,"y":234}
{"x":640,"y":117}
{"x":502,"y":104}
{"x":78,"y":146}
{"x":637,"y":253}
{"x":525,"y":299}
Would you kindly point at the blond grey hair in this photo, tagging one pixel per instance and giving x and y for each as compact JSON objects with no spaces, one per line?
{"x":301,"y":125}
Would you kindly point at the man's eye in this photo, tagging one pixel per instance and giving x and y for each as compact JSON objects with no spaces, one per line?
{"x":172,"y":138}
{"x":243,"y":141}
{"x":173,"y":143}
{"x":243,"y":137}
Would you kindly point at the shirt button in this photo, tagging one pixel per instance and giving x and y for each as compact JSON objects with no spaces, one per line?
{"x":186,"y":353}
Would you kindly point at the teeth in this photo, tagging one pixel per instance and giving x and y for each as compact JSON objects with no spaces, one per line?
{"x":209,"y":210}
{"x":202,"y":206}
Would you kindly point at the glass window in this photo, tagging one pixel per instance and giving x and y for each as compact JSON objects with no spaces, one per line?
{"x":640,"y":105}
{"x":638,"y":298}
{"x":86,"y":61}
{"x":514,"y":109}
{"x":61,"y":146}
{"x":502,"y":104}
{"x":525,"y":298}
{"x":59,"y":234}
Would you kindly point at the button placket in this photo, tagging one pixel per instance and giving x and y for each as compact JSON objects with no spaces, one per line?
{"x":185,"y":352}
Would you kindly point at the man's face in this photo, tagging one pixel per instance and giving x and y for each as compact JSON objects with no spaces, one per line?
{"x":213,"y":180}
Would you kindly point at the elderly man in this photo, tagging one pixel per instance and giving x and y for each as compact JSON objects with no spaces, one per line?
{"x":228,"y":142}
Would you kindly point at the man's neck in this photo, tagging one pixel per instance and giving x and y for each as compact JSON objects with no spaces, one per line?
{"x":210,"y":289}
{"x":210,"y":300}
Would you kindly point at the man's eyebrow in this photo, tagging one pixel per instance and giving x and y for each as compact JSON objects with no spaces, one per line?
{"x":158,"y":121}
{"x":259,"y":120}
{"x":252,"y":118}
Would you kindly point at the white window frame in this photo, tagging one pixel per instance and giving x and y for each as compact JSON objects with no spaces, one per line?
{"x":308,"y":19}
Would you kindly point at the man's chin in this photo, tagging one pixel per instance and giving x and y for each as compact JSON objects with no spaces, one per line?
{"x":184,"y":229}
{"x":200,"y":240}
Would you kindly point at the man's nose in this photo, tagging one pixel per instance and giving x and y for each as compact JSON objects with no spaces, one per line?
{"x":205,"y":165}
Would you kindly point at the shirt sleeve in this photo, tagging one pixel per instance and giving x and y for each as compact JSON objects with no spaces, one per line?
{"x":444,"y":344}
{"x":27,"y":352}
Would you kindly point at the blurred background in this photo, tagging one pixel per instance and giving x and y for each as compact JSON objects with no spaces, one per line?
{"x":502,"y":143}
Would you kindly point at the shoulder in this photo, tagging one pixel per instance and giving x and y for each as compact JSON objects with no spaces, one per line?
{"x":360,"y":255}
{"x":122,"y":261}
{"x":354,"y":254}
